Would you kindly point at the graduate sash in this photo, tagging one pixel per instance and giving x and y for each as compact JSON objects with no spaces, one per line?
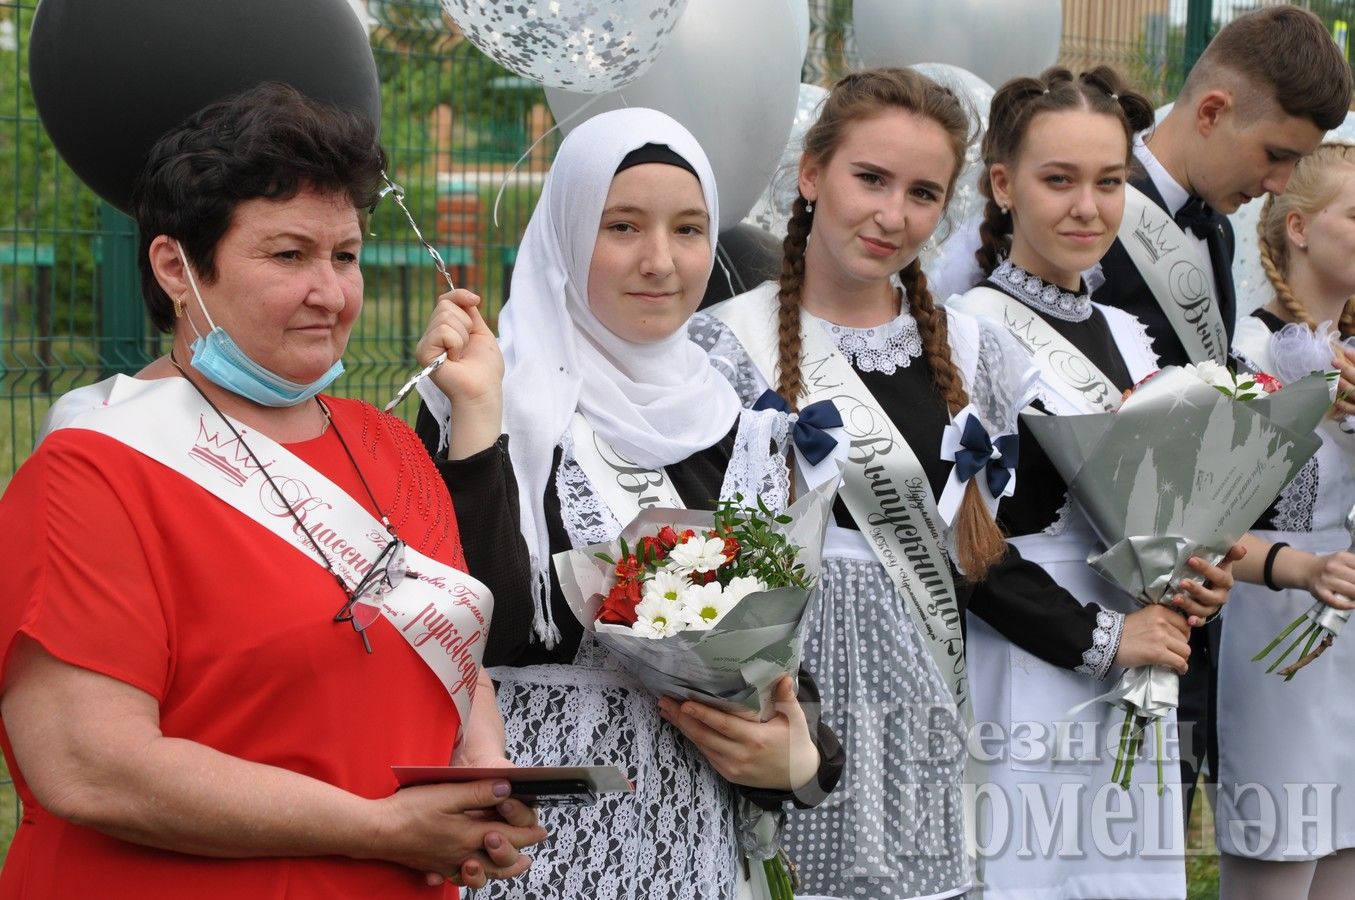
{"x":1063,"y":366}
{"x":883,"y":484}
{"x":625,"y":487}
{"x":442,"y":613}
{"x":1167,"y":259}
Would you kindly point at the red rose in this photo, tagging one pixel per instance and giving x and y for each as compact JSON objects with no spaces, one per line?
{"x":668,"y":538}
{"x":618,"y":607}
{"x":653,"y":548}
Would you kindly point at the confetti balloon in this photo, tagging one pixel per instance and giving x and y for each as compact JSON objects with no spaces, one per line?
{"x":585,"y":46}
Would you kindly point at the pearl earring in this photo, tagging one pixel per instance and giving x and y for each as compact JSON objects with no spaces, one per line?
{"x":809,"y":206}
{"x":1004,"y":208}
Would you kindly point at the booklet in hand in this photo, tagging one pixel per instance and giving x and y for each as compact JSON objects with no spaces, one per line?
{"x":535,"y":785}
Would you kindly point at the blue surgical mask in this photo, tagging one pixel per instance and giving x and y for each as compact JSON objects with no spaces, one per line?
{"x":222,"y":362}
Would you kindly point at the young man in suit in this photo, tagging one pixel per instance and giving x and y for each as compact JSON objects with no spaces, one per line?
{"x":1263,"y":94}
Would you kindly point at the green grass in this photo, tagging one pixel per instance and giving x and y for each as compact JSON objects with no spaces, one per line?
{"x":9,"y":811}
{"x":1202,"y":860}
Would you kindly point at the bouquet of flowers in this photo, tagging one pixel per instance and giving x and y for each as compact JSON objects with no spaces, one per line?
{"x":1324,"y":624}
{"x":704,"y":605}
{"x":1184,"y":468}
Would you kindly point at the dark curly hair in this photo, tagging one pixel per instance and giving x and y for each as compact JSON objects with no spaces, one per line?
{"x":268,"y":142}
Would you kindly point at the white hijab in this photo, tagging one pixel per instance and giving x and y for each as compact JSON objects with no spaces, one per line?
{"x":655,"y":404}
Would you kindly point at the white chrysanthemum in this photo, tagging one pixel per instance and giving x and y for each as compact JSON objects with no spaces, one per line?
{"x":656,"y":617}
{"x":704,"y":604}
{"x":698,"y":554}
{"x":1212,"y":373}
{"x":741,"y":586}
{"x":666,"y":585}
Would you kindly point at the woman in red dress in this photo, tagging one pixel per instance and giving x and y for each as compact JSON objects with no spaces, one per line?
{"x":187,"y":708}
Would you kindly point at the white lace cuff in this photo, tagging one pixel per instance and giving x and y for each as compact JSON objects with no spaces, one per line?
{"x":1097,"y":659}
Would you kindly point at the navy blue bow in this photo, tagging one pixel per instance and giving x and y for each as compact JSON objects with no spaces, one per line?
{"x":810,"y":438}
{"x":976,"y":452}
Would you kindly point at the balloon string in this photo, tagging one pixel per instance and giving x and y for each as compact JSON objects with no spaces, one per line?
{"x":398,"y":193}
{"x":503,"y":185}
{"x":729,"y":278}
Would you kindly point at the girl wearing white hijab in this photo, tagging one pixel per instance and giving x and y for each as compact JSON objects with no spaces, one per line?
{"x":607,"y":400}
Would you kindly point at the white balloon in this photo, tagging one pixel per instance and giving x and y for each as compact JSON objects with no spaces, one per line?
{"x":589,"y":46}
{"x":730,"y":74}
{"x":772,"y":209}
{"x":995,"y":39}
{"x":799,"y":11}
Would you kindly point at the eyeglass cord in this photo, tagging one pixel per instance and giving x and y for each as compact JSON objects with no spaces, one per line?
{"x":278,"y":491}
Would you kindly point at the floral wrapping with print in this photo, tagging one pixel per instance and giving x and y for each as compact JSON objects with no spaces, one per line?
{"x":735,"y":662}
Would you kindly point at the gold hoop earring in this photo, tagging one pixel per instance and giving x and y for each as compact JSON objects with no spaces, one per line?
{"x":178,"y":307}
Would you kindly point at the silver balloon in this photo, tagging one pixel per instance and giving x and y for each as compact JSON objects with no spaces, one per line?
{"x":589,"y":46}
{"x":948,"y":259}
{"x":730,"y":73}
{"x":995,"y":39}
{"x":772,"y":209}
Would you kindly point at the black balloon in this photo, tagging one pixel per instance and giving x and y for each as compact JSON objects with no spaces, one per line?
{"x":111,"y":76}
{"x":745,"y":256}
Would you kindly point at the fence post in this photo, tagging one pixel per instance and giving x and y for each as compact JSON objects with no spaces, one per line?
{"x":122,"y":319}
{"x":1199,"y":24}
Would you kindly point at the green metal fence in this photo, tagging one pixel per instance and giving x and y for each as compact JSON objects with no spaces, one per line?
{"x":454,"y":124}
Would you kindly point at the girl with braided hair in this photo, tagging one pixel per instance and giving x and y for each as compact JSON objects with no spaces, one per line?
{"x":1056,"y":158}
{"x":852,"y":329}
{"x":1279,"y":740}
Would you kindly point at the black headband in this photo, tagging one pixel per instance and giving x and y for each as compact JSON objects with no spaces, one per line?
{"x":655,"y":153}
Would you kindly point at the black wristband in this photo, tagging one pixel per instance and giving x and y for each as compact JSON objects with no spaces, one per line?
{"x":1268,"y":570}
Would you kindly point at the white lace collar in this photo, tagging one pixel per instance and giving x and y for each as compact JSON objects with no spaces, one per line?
{"x":1039,"y":294}
{"x":885,"y":348}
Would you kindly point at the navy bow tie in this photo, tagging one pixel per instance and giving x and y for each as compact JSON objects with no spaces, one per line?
{"x":976,"y":452}
{"x":810,"y":438}
{"x":1196,"y":216}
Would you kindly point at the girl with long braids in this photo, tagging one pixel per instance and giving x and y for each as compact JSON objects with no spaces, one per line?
{"x":850,"y":333}
{"x":1282,"y":744}
{"x":1056,"y":158}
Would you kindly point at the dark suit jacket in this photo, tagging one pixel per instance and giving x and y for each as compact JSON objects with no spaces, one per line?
{"x":1125,"y":288}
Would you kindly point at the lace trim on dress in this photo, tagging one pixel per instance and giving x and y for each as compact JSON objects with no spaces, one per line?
{"x":1035,"y":292}
{"x":1297,"y":503}
{"x":587,"y":519}
{"x":1060,"y":523}
{"x":885,"y":348}
{"x":757,"y":465}
{"x":1097,"y":659}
